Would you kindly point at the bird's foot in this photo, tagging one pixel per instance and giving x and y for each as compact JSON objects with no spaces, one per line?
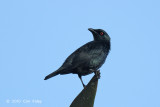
{"x":97,"y":73}
{"x":84,"y":86}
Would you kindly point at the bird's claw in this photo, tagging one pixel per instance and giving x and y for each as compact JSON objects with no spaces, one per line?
{"x":97,"y":73}
{"x":84,"y":86}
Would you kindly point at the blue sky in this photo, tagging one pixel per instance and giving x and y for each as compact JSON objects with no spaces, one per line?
{"x":36,"y":36}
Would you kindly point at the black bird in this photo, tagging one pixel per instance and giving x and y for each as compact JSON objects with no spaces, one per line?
{"x":88,"y":58}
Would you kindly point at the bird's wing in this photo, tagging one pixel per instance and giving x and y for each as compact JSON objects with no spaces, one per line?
{"x":83,"y":55}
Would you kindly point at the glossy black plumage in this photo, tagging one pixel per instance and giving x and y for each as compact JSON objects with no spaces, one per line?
{"x":88,"y":58}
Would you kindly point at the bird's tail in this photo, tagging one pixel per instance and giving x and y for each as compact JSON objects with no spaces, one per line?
{"x":51,"y":75}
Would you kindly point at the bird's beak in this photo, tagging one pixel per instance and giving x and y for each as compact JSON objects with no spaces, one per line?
{"x":93,"y":32}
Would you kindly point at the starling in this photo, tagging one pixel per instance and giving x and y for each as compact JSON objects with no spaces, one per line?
{"x":88,"y":58}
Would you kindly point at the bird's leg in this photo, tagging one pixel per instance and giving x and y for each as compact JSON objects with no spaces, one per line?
{"x":81,"y":80}
{"x":97,"y":73}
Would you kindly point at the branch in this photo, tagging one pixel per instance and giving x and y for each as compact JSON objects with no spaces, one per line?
{"x":87,"y":95}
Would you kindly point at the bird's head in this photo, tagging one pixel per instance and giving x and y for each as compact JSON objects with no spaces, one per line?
{"x":99,"y":34}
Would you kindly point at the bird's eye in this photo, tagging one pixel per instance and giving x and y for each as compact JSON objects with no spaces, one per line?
{"x":101,"y":33}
